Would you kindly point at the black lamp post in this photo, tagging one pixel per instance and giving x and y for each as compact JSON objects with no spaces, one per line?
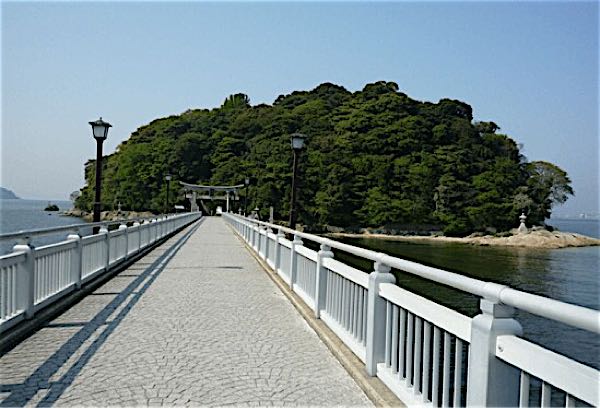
{"x":297,"y":146}
{"x":100,"y":131}
{"x":247,"y":183}
{"x":168,"y":177}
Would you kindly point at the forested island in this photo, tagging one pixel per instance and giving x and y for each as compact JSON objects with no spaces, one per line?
{"x":374,"y":158}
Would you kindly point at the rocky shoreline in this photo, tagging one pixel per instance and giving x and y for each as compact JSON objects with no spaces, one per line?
{"x":107,"y":215}
{"x":532,"y":239}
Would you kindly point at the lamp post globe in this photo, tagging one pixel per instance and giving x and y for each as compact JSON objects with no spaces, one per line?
{"x":297,"y":142}
{"x":100,"y":129}
{"x":168,"y":177}
{"x":99,"y":132}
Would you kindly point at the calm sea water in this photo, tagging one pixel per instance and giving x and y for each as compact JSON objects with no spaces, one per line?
{"x":591,"y":228}
{"x":571,"y":275}
{"x":17,"y":215}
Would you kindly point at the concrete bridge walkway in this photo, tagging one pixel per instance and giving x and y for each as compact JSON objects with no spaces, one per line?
{"x":195,"y":322}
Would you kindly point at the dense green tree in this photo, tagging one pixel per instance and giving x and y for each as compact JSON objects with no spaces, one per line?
{"x":547,"y":185}
{"x":374,"y":157}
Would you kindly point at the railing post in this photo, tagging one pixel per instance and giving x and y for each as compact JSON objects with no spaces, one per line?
{"x":146,"y":226}
{"x":321,"y":279}
{"x":26,"y":287}
{"x":376,"y":317}
{"x":491,"y":382}
{"x":259,"y":227}
{"x":104,"y":230}
{"x":126,"y":233}
{"x":293,"y":256}
{"x":77,"y":260}
{"x":152,"y":231}
{"x":267,"y":232}
{"x":139,"y":232}
{"x":277,"y":262}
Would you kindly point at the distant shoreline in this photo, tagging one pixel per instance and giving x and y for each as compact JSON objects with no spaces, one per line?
{"x":106,"y":215}
{"x":534,"y":239}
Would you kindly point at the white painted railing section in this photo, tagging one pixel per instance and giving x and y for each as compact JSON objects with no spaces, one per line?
{"x":427,"y":354}
{"x":32,"y":278}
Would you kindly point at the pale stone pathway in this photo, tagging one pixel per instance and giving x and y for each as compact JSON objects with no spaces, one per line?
{"x":201,"y":325}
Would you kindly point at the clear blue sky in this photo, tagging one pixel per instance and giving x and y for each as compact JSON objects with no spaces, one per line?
{"x":530,"y":67}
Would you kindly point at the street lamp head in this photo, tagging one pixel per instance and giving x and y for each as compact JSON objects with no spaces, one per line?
{"x":168,"y":177}
{"x":247,"y":180}
{"x":100,"y":129}
{"x":298,"y":141}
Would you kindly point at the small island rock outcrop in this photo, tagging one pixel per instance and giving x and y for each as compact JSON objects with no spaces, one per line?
{"x":538,"y":238}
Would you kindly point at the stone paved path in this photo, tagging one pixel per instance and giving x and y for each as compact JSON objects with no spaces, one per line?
{"x":195,"y":324}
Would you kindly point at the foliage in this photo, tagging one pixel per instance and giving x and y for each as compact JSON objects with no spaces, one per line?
{"x":374,"y":157}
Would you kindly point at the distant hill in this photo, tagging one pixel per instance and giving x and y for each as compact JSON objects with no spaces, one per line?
{"x":6,"y":194}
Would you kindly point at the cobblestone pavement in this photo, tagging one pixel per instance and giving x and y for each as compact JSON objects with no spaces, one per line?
{"x":198,"y":323}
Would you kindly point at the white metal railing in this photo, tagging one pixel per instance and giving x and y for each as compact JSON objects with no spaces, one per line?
{"x":427,"y":354}
{"x":33,"y":277}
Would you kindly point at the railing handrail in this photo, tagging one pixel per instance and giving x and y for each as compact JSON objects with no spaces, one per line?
{"x":75,"y":227}
{"x":567,"y":313}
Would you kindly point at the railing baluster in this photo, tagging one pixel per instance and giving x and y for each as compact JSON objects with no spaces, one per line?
{"x":4,"y":288}
{"x":458,"y":359}
{"x":348,"y":305}
{"x":402,"y":344}
{"x":14,"y":279}
{"x":569,"y":401}
{"x":365,"y":315}
{"x":417,"y":355}
{"x":344,"y":308}
{"x":388,"y":333}
{"x":354,"y":307}
{"x":395,"y":334}
{"x":426,"y":360}
{"x":334,"y":297}
{"x":329,"y":291}
{"x":409,"y":347}
{"x":446,"y":372}
{"x":360,"y":314}
{"x":435,"y":380}
{"x":340,"y":300}
{"x":546,"y":393}
{"x":524,"y":390}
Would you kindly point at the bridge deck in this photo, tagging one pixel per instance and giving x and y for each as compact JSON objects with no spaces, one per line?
{"x":195,"y":322}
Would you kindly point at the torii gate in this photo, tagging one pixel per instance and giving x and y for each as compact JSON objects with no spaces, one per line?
{"x":195,"y":188}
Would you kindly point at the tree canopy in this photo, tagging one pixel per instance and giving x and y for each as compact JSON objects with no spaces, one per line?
{"x":374,"y":157}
